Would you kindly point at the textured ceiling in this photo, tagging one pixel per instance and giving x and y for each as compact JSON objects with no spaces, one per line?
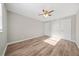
{"x":33,"y":10}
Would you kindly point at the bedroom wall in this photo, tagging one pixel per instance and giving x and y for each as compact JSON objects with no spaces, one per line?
{"x":3,"y":34}
{"x":73,"y":28}
{"x":47,"y":28}
{"x":22,"y":28}
{"x":62,"y":28}
{"x":77,"y":28}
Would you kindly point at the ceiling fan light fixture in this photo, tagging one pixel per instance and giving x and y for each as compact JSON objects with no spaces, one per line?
{"x":45,"y":15}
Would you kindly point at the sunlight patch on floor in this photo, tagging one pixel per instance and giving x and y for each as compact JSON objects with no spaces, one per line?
{"x":53,"y":40}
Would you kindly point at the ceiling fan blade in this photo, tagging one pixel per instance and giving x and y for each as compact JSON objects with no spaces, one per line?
{"x":43,"y":10}
{"x":51,"y":11}
{"x":50,"y":15}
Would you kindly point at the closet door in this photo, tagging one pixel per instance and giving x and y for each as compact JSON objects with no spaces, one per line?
{"x":47,"y":28}
{"x":61,"y":29}
{"x":55,"y":29}
{"x":65,"y":28}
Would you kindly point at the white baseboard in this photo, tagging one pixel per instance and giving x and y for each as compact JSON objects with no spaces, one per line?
{"x":33,"y":37}
{"x":4,"y":50}
{"x":23,"y":40}
{"x":77,"y":44}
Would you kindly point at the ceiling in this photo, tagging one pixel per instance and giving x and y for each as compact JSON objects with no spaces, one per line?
{"x":33,"y":10}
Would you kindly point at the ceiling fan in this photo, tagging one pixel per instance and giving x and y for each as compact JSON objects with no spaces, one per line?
{"x":47,"y":13}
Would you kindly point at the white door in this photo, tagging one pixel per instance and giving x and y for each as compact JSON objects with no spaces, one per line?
{"x":47,"y":28}
{"x":61,"y":28}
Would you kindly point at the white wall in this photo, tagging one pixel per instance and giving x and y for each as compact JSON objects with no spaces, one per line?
{"x":0,"y":17}
{"x":77,"y":28}
{"x":47,"y":28}
{"x":3,"y":34}
{"x":21,"y":27}
{"x":73,"y":28}
{"x":62,"y":28}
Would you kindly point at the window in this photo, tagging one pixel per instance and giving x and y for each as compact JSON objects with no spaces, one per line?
{"x":0,"y":18}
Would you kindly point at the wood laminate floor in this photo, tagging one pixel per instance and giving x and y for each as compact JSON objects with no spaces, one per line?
{"x":43,"y":46}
